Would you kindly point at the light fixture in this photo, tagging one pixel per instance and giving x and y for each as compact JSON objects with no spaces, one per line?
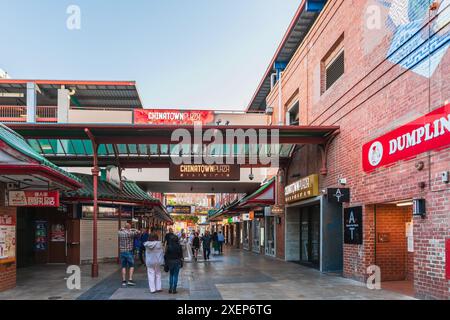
{"x":46,"y":147}
{"x":251,"y":176}
{"x":404,"y":204}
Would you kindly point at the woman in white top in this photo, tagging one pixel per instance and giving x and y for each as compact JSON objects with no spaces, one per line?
{"x":187,"y":251}
{"x":154,"y":258}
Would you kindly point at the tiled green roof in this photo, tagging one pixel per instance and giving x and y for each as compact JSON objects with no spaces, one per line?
{"x":257,"y":192}
{"x":17,"y":142}
{"x":130,"y":192}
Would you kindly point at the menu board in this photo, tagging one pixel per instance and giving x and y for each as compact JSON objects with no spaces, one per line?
{"x":40,"y":236}
{"x":7,"y":239}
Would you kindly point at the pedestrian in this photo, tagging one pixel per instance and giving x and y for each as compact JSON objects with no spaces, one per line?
{"x":215,"y":243}
{"x":196,"y":245}
{"x":126,"y":242}
{"x":169,"y":237}
{"x":185,"y":245}
{"x":143,"y":239}
{"x":221,"y":240}
{"x":174,"y":262}
{"x":154,"y":258}
{"x":206,"y":243}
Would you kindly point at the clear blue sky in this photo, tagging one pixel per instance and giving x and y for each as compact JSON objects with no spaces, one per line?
{"x":205,"y":54}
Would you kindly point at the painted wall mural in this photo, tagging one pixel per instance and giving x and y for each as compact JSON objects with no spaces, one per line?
{"x":410,"y":47}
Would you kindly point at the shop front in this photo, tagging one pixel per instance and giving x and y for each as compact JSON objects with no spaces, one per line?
{"x":270,"y":232}
{"x":313,"y":226}
{"x":246,"y":231}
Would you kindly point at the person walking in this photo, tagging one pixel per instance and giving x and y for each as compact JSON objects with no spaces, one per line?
{"x":143,"y":239}
{"x":206,"y":243}
{"x":185,"y":245}
{"x":126,"y":242}
{"x":221,"y":240}
{"x":154,"y":258}
{"x":215,"y":244}
{"x":196,"y":245}
{"x":174,"y":262}
{"x":169,"y":237}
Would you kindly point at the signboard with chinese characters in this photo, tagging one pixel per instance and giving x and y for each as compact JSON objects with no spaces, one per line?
{"x":173,"y":117}
{"x":302,"y":189}
{"x":338,"y":195}
{"x":205,"y":172}
{"x":353,"y":225}
{"x":179,"y":209}
{"x":7,"y":239}
{"x":429,"y":132}
{"x":33,"y":198}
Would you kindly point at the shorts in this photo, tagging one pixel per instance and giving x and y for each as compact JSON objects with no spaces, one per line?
{"x":127,"y":259}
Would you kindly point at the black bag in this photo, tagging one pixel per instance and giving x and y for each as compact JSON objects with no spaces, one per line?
{"x":166,"y":267}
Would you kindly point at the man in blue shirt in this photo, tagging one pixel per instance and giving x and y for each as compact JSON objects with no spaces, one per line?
{"x":221,"y":240}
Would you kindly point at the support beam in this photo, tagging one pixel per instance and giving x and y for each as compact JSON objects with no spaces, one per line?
{"x":31,"y":102}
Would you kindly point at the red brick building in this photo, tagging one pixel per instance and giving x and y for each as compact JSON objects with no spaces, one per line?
{"x":369,"y":67}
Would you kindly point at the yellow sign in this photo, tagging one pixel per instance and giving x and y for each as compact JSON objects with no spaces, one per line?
{"x":302,"y":189}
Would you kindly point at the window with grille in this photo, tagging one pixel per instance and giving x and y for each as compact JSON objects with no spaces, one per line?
{"x":334,"y":70}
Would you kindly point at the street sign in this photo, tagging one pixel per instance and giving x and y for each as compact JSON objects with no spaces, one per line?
{"x":205,"y":172}
{"x":353,"y":225}
{"x":173,"y":117}
{"x":338,"y":195}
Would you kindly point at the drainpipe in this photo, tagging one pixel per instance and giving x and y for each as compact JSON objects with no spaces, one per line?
{"x":280,"y":99}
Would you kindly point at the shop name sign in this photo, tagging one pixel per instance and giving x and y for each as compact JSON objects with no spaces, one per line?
{"x":302,"y":189}
{"x":172,"y":117}
{"x":427,"y":133}
{"x":204,"y":172}
{"x":33,"y":198}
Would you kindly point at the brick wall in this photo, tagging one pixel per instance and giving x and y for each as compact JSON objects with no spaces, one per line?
{"x":373,"y":97}
{"x":7,"y":271}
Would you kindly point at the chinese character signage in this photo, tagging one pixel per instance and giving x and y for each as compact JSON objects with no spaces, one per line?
{"x":205,"y":172}
{"x":7,"y":239}
{"x":426,"y":133}
{"x":173,"y":117}
{"x":338,"y":195}
{"x":33,"y":198}
{"x":353,"y":233}
{"x":180,"y":209}
{"x":302,"y":189}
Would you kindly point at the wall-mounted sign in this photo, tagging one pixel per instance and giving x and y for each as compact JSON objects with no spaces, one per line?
{"x":7,"y":239}
{"x":111,"y":175}
{"x":447,"y":259}
{"x":236,"y":219}
{"x":179,"y":209}
{"x":33,"y":198}
{"x":58,"y":233}
{"x":277,"y":209}
{"x":302,"y":189}
{"x":338,"y":195}
{"x":106,"y":212}
{"x":245,"y":217}
{"x":353,"y":225}
{"x":173,"y":117}
{"x":259,"y":214}
{"x":429,"y":132}
{"x":40,"y":235}
{"x":205,"y":172}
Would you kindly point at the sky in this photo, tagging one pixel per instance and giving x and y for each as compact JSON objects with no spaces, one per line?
{"x":196,"y":54}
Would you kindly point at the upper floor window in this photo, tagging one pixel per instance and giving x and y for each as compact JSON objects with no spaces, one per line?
{"x":293,"y":115}
{"x":333,"y":65}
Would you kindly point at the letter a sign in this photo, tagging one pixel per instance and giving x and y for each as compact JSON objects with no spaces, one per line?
{"x":353,"y":225}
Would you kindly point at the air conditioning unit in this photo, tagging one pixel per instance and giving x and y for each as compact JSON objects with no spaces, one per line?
{"x":269,"y":111}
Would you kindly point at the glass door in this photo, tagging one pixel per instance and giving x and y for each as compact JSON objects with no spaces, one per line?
{"x":270,"y":236}
{"x":310,"y":235}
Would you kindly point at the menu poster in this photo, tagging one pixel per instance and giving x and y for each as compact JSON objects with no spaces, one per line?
{"x":7,"y":239}
{"x":58,"y":233}
{"x":40,"y":236}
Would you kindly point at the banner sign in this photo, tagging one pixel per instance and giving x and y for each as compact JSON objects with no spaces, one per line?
{"x":173,"y":117}
{"x":205,"y":172}
{"x":447,"y":259}
{"x":427,"y":133}
{"x":87,"y":212}
{"x":353,"y":232}
{"x":33,"y":198}
{"x":7,"y":239}
{"x":338,"y":195}
{"x":179,"y":209}
{"x":40,"y":235}
{"x":302,"y":189}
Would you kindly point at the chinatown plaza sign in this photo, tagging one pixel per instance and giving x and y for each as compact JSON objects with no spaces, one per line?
{"x":302,"y":189}
{"x":430,"y":132}
{"x":206,"y":172}
{"x":173,"y":117}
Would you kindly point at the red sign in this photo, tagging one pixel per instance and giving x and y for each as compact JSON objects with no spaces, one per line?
{"x":172,"y":117}
{"x":33,"y":198}
{"x":447,"y":259}
{"x":429,"y":132}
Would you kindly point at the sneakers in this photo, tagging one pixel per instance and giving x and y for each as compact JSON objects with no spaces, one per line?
{"x":131,"y":283}
{"x":124,"y":283}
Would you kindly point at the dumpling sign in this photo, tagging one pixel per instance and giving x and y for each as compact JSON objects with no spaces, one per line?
{"x":430,"y":132}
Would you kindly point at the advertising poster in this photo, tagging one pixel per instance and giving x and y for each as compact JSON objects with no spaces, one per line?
{"x":7,"y":239}
{"x":40,"y":236}
{"x":58,"y":233}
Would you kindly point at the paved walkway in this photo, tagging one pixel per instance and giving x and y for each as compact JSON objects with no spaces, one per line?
{"x":242,"y":275}
{"x":236,"y":275}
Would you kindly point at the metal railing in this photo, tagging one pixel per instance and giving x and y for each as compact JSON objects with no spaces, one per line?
{"x":19,"y":114}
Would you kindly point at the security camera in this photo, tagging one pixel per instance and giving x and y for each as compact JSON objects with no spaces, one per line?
{"x":251,"y":176}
